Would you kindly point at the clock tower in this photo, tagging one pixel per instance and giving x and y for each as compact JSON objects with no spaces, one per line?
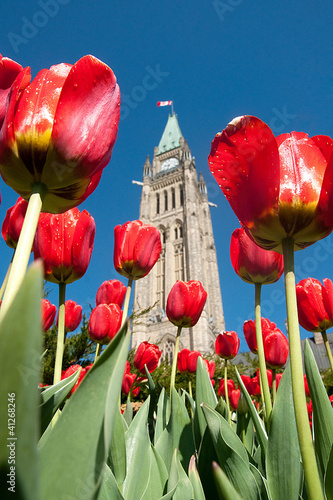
{"x":175,"y":201}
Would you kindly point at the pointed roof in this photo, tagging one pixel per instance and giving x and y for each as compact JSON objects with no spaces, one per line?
{"x":171,"y":135}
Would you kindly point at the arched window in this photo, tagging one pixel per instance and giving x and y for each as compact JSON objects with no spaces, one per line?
{"x":157,"y":203}
{"x":165,"y":200}
{"x":181,"y":196}
{"x":173,"y":198}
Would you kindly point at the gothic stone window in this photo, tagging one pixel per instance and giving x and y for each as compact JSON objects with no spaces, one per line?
{"x":173,"y":198}
{"x":181,"y":193}
{"x":165,"y":201}
{"x":157,"y":203}
{"x":179,"y":268}
{"x":168,"y":351}
{"x":160,"y":272}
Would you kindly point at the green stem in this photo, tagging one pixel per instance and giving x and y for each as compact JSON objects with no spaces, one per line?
{"x":311,"y":474}
{"x":174,"y":361}
{"x":328,"y":349}
{"x":274,"y":383}
{"x":98,"y":351}
{"x":5,"y":281}
{"x":127,"y":299}
{"x":261,"y":355}
{"x":226,"y":389}
{"x":61,"y":334}
{"x":190,"y":388}
{"x":24,"y":245}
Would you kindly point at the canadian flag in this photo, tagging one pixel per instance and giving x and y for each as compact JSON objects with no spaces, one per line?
{"x":164,"y":103}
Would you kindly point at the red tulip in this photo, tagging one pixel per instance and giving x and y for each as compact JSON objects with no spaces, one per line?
{"x":12,"y":224}
{"x":234,"y":398}
{"x":276,"y":348}
{"x":104,"y":322}
{"x":269,"y":377}
{"x":227,"y":345}
{"x":65,"y":243}
{"x":111,"y":292}
{"x":210,"y":367}
{"x":252,"y":263}
{"x":185,"y":303}
{"x":315,"y":304}
{"x":306,"y":387}
{"x":230,"y":387}
{"x":278,"y":379}
{"x":8,"y":72}
{"x":48,"y":314}
{"x":137,"y":247}
{"x":278,"y":187}
{"x":187,"y":360}
{"x":147,"y":354}
{"x":60,"y":130}
{"x":73,"y":315}
{"x":128,"y":381}
{"x":249,"y":329}
{"x":72,"y":369}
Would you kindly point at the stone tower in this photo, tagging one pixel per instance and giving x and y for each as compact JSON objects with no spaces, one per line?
{"x":175,"y":201}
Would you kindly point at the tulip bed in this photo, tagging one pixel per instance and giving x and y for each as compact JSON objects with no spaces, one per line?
{"x":73,"y":440}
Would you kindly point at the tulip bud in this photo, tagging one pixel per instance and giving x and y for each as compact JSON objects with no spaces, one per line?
{"x":137,"y":247}
{"x":227,"y":345}
{"x":276,"y":348}
{"x":12,"y":224}
{"x":111,"y":292}
{"x":73,"y":315}
{"x":230,"y":387}
{"x":147,"y":354}
{"x":104,"y":322}
{"x":185,"y":303}
{"x":315,"y":304}
{"x":187,"y":360}
{"x":48,"y":314}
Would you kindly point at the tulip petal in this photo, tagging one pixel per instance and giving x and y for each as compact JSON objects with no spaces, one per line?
{"x":86,"y":120}
{"x":243,"y":157}
{"x":8,"y":72}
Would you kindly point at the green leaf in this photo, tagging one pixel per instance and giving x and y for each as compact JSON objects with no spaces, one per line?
{"x":204,"y":393}
{"x":257,"y":422}
{"x":53,"y":396}
{"x":179,"y":479}
{"x":76,"y":449}
{"x":231,"y":453}
{"x":138,"y":455}
{"x":20,"y":338}
{"x":128,"y":413}
{"x":198,"y":492}
{"x":245,"y":430}
{"x":224,"y":487}
{"x":329,"y":477}
{"x":283,"y":457}
{"x":177,"y":434}
{"x":117,"y":454}
{"x":109,"y":488}
{"x":322,"y":410}
{"x":158,"y":477}
{"x":163,"y":414}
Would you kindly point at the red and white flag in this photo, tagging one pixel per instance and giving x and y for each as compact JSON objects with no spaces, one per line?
{"x":164,"y":103}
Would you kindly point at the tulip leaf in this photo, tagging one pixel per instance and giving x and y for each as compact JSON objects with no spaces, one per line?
{"x":109,"y":488}
{"x":245,"y":430}
{"x":158,"y":477}
{"x":20,"y":337}
{"x":53,"y":396}
{"x":224,"y":487}
{"x":177,"y":434}
{"x":137,"y":447}
{"x":163,"y":413}
{"x":206,"y":456}
{"x":178,"y":478}
{"x":322,"y":410}
{"x":204,"y":393}
{"x":283,"y":457}
{"x":231,"y":453}
{"x":128,"y":413}
{"x":257,"y":422}
{"x":329,"y":477}
{"x":117,"y":454}
{"x":80,"y":440}
{"x":198,"y":492}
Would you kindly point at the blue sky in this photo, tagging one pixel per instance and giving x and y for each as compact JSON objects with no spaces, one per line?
{"x":216,"y":60}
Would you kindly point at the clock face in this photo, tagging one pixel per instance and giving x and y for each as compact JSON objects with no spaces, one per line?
{"x":169,"y":163}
